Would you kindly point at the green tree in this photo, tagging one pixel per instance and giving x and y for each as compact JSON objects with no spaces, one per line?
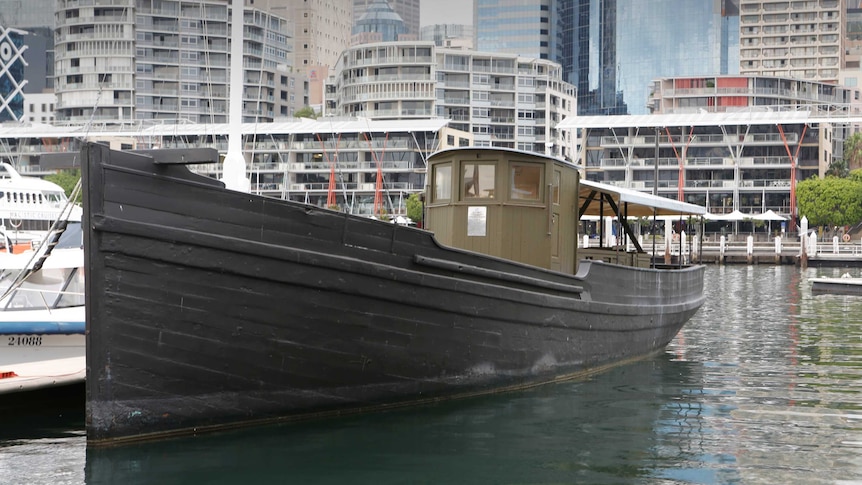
{"x":414,"y":208}
{"x":838,"y":168}
{"x":855,"y":175}
{"x":853,"y":151}
{"x":830,"y":201}
{"x":305,"y":112}
{"x":67,"y":179}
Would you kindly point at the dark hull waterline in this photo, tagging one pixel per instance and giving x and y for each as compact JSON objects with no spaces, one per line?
{"x":217,"y":308}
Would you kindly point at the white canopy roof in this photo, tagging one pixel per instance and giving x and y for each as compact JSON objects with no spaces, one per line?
{"x":769,"y":215}
{"x":640,"y":204}
{"x":324,"y":125}
{"x":736,"y":215}
{"x":704,"y":119}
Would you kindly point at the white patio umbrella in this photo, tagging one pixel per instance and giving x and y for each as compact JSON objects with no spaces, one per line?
{"x":734,"y":217}
{"x":769,"y":216}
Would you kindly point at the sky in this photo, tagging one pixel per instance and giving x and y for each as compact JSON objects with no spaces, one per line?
{"x":446,"y":12}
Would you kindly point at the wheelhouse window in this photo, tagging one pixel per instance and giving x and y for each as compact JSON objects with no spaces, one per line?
{"x":442,"y":182}
{"x":526,"y":181}
{"x":478,"y":180}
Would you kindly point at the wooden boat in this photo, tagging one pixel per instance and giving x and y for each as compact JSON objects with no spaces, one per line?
{"x":210,"y":308}
{"x":844,"y":285}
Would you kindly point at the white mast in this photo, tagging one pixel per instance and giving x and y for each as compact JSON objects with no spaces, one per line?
{"x":234,"y":174}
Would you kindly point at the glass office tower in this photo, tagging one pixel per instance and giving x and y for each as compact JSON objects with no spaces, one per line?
{"x":521,"y":27}
{"x":612,"y":49}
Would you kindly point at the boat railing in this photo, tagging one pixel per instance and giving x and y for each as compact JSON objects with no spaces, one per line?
{"x":785,"y":245}
{"x":615,"y":255}
{"x":40,"y":299}
{"x":835,"y":249}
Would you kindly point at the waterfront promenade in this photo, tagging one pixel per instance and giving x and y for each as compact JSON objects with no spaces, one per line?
{"x":786,"y":250}
{"x":742,"y":249}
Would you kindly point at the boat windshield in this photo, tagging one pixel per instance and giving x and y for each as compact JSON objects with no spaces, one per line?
{"x":46,"y":288}
{"x":72,"y":237}
{"x":55,"y":198}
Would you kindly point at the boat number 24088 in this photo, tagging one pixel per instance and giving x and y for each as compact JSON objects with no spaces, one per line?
{"x":26,"y":340}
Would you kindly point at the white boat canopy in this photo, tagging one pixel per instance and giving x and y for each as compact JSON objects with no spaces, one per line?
{"x":631,"y":203}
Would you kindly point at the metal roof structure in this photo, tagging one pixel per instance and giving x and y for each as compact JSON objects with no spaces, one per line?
{"x":748,"y":117}
{"x":631,"y":202}
{"x":297,"y":126}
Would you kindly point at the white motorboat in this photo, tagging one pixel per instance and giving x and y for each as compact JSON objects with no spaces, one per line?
{"x":844,"y":285}
{"x":42,"y":315}
{"x":28,"y":208}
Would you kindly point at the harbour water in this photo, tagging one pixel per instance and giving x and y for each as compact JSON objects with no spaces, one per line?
{"x":764,"y":385}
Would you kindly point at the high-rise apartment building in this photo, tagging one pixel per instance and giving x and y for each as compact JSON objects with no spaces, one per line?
{"x":612,"y":62}
{"x":448,"y":35}
{"x":36,"y":18}
{"x":503,"y":100}
{"x":94,"y":59}
{"x":380,"y":23}
{"x":119,"y":61}
{"x":612,"y":49}
{"x":699,"y":94}
{"x":408,"y":10}
{"x":796,"y":39}
{"x":724,"y":161}
{"x":520,"y":27}
{"x":851,"y":71}
{"x":12,"y":74}
{"x":322,"y":30}
{"x":26,"y":14}
{"x":732,"y":94}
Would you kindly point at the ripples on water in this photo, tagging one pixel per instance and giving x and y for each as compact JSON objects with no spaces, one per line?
{"x":779,"y":374}
{"x":762,"y":386}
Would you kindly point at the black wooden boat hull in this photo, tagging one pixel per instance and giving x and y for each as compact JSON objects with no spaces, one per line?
{"x":209,"y":308}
